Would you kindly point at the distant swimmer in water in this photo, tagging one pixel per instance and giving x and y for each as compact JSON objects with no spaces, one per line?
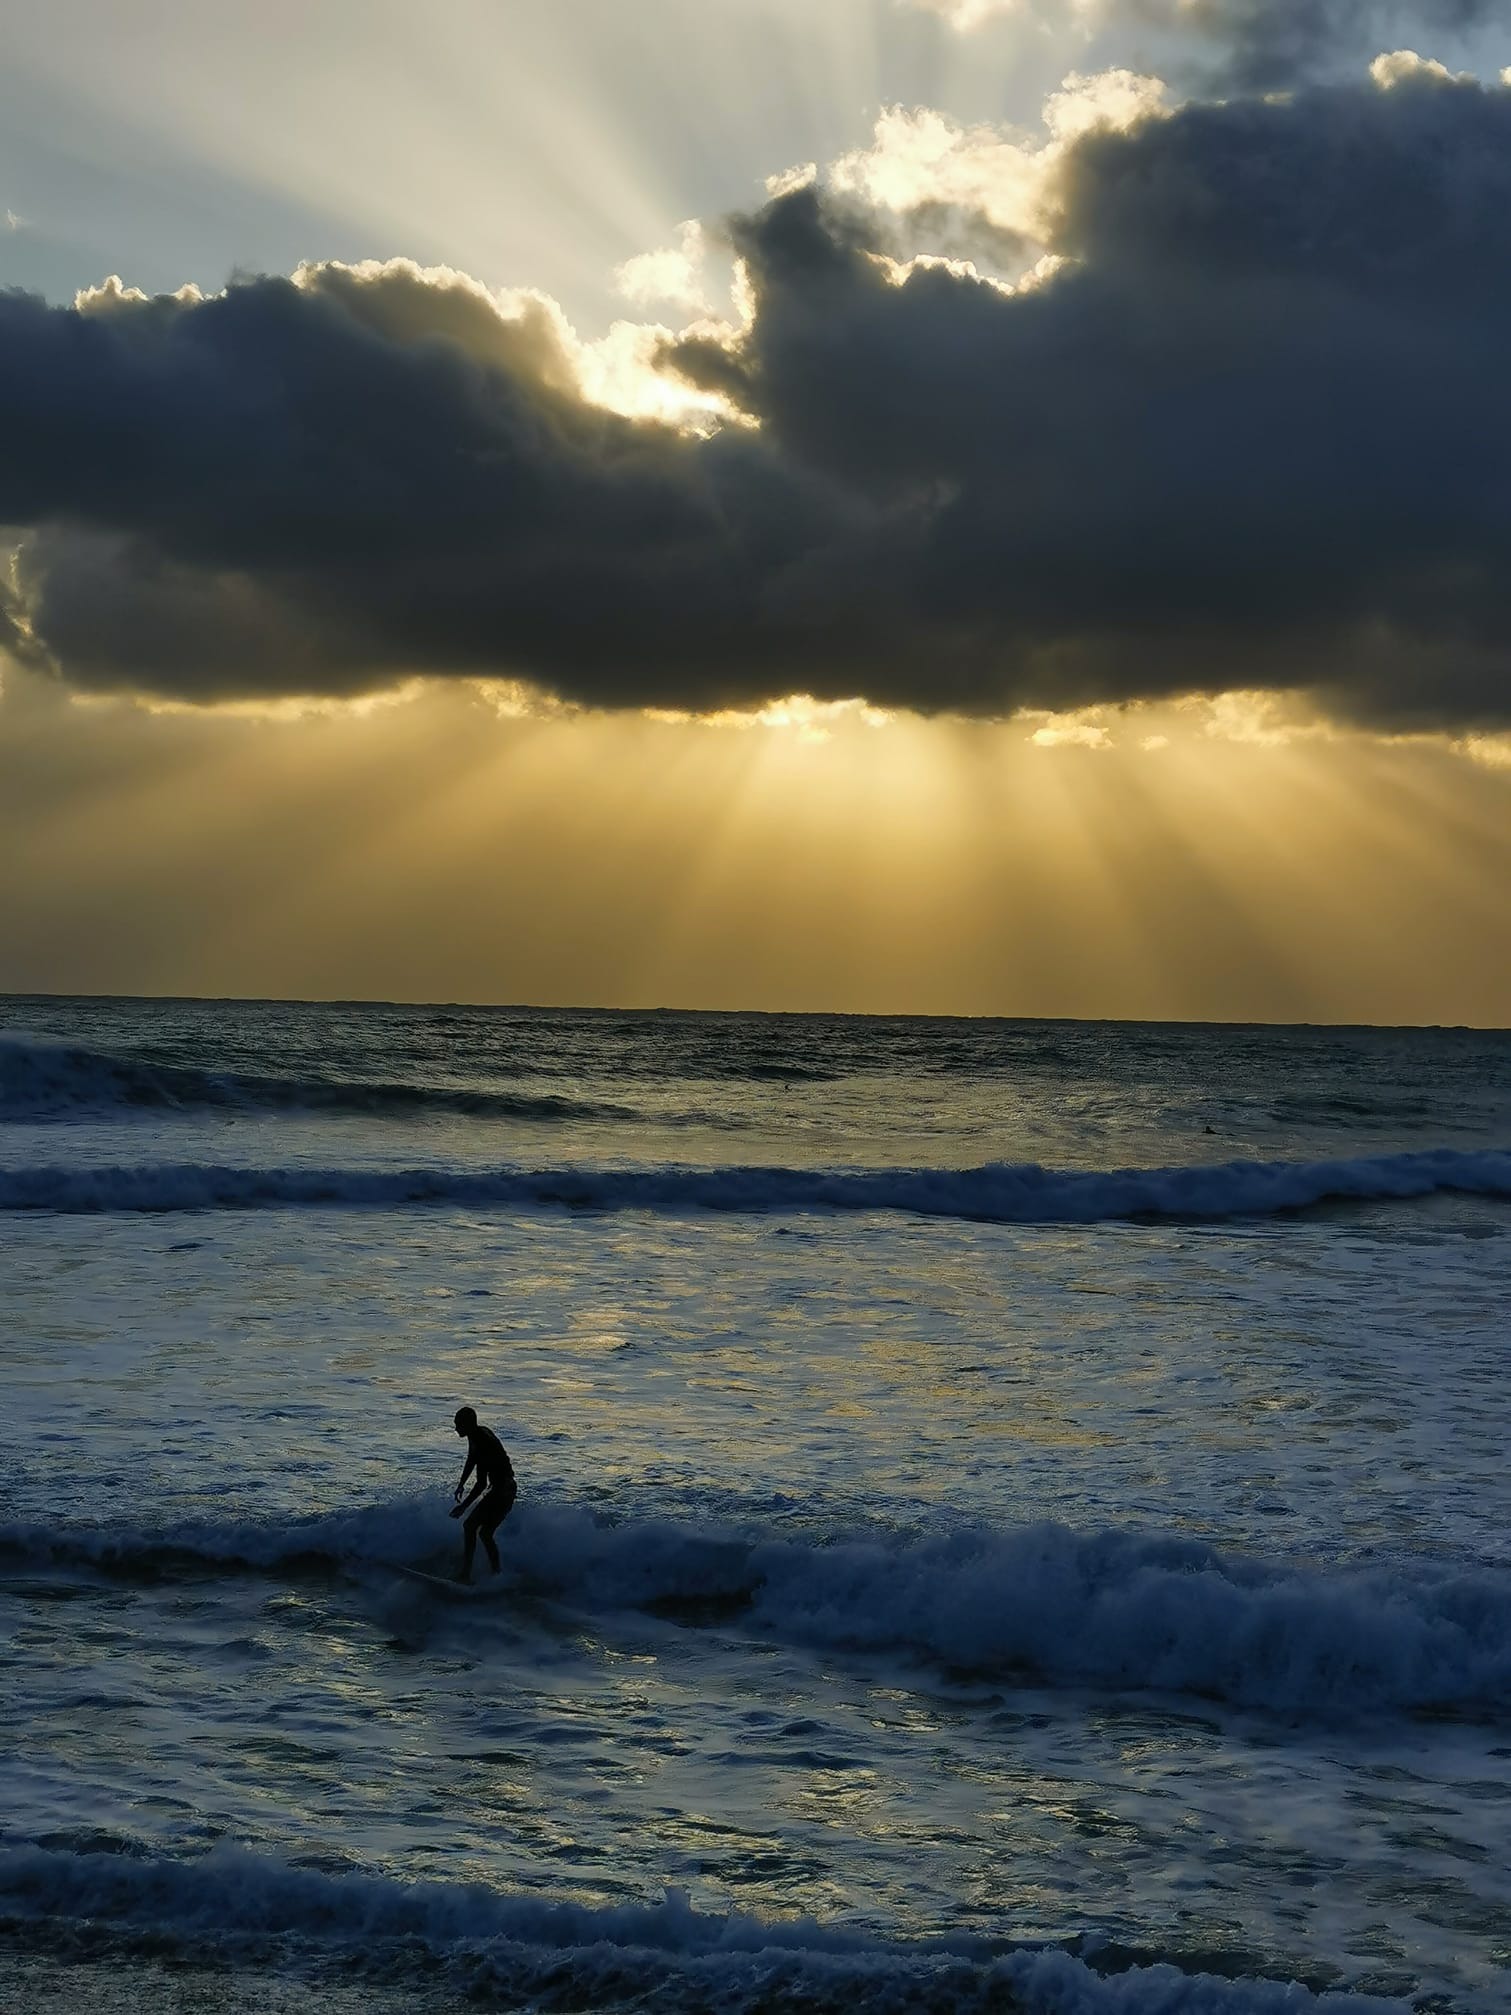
{"x":492,"y":1496}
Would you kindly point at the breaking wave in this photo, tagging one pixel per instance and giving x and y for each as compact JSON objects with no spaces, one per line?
{"x":40,"y":1080}
{"x":998,"y":1193}
{"x":496,"y":1949}
{"x":1046,"y":1605}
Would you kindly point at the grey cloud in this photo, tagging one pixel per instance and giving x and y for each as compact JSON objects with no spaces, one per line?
{"x":297,"y":488}
{"x":955,"y":231}
{"x":1267,"y":45}
{"x":1253,"y":434}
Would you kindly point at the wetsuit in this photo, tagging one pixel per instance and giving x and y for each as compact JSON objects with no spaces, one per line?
{"x":496,"y":1470}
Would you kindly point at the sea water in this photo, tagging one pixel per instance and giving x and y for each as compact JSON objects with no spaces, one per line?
{"x":1012,"y":1515}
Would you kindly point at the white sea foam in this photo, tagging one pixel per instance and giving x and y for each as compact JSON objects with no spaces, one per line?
{"x":1110,"y":1609}
{"x":231,"y":1905}
{"x":998,"y":1193}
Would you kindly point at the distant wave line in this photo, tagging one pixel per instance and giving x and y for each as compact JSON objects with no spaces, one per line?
{"x":996,"y":1193}
{"x":40,"y":1080}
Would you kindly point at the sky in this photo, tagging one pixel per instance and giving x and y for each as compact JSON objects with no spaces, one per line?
{"x":930,"y":506}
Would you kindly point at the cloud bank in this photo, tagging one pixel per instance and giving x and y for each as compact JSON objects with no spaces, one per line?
{"x":1267,"y":45}
{"x":1245,"y":45}
{"x":1241,"y":419}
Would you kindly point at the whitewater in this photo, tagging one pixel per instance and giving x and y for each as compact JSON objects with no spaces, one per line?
{"x":1013,"y":1516}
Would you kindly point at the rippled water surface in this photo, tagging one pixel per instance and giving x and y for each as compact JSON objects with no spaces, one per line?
{"x":970,"y":1584}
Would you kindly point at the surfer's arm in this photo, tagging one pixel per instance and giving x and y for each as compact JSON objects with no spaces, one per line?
{"x":466,"y":1503}
{"x":471,"y":1465}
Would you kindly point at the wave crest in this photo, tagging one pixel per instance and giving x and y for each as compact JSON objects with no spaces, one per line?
{"x":998,"y":1193}
{"x":516,"y":1950}
{"x":41,"y":1080}
{"x":1045,"y":1604}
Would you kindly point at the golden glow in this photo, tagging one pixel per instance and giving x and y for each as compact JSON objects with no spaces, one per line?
{"x":1494,"y":751}
{"x":809,"y":719}
{"x":918,"y":155}
{"x":1086,"y":729}
{"x":470,"y":843}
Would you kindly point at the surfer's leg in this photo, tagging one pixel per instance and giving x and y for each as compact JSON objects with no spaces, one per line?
{"x":469,"y":1541}
{"x":499,"y":1505}
{"x":487,"y":1528}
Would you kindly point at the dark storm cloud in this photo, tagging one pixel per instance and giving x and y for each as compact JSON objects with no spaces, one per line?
{"x":286,"y":488}
{"x":1266,"y":45}
{"x":1255,"y":432}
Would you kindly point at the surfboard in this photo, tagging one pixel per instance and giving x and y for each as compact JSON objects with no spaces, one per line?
{"x":463,"y":1590}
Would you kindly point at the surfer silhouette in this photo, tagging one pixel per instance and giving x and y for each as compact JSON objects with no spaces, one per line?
{"x":492,"y":1496}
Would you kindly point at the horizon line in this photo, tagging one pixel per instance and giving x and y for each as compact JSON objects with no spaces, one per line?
{"x":729,"y":1013}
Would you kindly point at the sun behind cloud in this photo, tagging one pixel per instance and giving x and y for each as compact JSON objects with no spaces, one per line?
{"x":994,"y":569}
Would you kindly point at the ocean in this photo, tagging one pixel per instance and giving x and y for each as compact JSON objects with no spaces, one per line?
{"x":1012,"y":1515}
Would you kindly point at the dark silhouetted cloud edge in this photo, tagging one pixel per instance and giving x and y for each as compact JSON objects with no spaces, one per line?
{"x":1245,"y":427}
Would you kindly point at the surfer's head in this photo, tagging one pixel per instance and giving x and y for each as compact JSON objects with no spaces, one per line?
{"x":466,"y":1420}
